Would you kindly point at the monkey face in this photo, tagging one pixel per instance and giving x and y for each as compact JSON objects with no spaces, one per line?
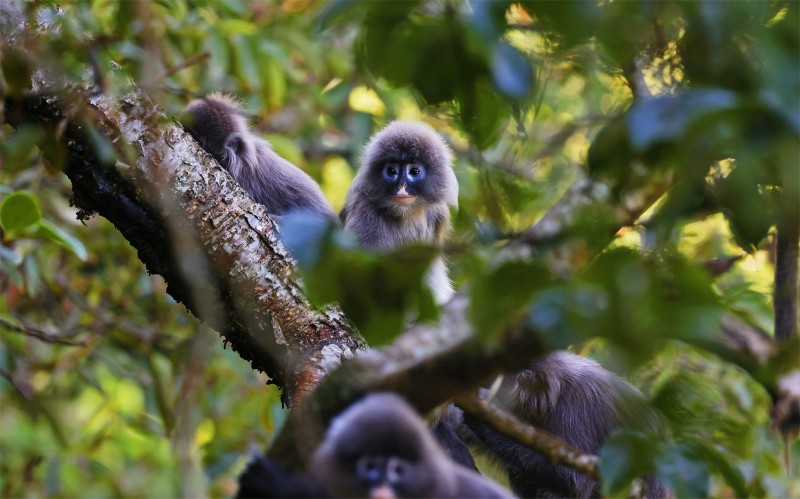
{"x":403,"y":182}
{"x":385,"y":477}
{"x":406,"y":169}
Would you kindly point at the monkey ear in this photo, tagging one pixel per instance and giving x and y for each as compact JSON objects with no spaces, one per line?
{"x":236,"y":143}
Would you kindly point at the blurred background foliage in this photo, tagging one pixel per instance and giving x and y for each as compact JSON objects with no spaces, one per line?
{"x":112,"y":389}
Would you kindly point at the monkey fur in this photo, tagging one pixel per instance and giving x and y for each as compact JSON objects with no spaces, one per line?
{"x":264,"y":479}
{"x":403,"y":193}
{"x":379,"y":447}
{"x":218,"y":124}
{"x":574,"y":398}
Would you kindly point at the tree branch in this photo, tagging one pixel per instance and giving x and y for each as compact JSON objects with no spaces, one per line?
{"x":553,"y":447}
{"x":40,"y":335}
{"x":217,"y":250}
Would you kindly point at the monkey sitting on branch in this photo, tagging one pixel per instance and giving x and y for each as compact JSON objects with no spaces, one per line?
{"x":218,"y":124}
{"x":378,"y":448}
{"x":402,"y":194}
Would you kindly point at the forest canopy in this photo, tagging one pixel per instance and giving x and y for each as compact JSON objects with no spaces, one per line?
{"x":629,"y":189}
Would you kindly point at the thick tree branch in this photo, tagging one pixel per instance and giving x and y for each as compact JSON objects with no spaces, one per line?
{"x":217,"y":250}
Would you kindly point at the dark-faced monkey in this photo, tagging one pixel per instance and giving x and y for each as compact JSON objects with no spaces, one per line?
{"x":219,"y":126}
{"x":403,"y":193}
{"x":379,"y":447}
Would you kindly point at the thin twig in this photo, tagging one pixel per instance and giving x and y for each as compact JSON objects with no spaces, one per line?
{"x":548,"y":444}
{"x":21,"y":387}
{"x":40,"y":335}
{"x":558,"y":450}
{"x":191,"y":61}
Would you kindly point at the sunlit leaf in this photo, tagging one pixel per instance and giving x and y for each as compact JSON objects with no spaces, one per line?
{"x":273,"y":84}
{"x":19,"y":211}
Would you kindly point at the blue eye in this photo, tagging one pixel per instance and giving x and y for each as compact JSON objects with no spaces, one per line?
{"x":414,"y":171}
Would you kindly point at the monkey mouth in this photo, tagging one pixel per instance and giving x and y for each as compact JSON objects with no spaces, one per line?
{"x":404,"y":200}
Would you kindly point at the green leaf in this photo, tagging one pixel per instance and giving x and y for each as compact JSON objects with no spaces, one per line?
{"x":247,"y":66}
{"x":379,"y":293}
{"x":273,"y":83}
{"x":573,"y":21}
{"x":51,"y":232}
{"x":743,"y":204}
{"x":668,"y":117}
{"x":16,"y":70}
{"x":20,"y":211}
{"x":679,"y":466}
{"x":722,"y":465}
{"x":569,"y":313}
{"x":610,"y":152}
{"x":498,"y":297}
{"x":9,"y":269}
{"x":512,"y":72}
{"x":17,"y":150}
{"x":634,"y":300}
{"x":482,"y":112}
{"x":220,"y":66}
{"x":286,"y":147}
{"x":336,"y":11}
{"x":625,"y":456}
{"x":101,"y":145}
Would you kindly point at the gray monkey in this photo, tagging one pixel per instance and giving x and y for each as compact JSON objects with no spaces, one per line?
{"x":403,"y":193}
{"x":218,"y":124}
{"x":379,"y":447}
{"x":572,"y":397}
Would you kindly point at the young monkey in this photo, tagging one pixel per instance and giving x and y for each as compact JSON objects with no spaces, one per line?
{"x":380,"y":448}
{"x":403,"y":193}
{"x":219,"y":126}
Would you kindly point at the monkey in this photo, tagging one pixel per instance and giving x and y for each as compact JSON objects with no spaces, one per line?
{"x":402,"y":194}
{"x":572,"y":397}
{"x":379,"y":447}
{"x":218,"y":124}
{"x":263,"y":478}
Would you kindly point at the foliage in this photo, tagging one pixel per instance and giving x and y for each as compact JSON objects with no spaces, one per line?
{"x":533,"y":96}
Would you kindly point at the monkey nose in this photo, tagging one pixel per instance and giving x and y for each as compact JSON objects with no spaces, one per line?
{"x":383,"y":491}
{"x":403,"y":197}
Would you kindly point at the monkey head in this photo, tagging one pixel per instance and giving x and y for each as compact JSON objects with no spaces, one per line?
{"x":407,"y":167}
{"x":380,"y":448}
{"x":218,"y":125}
